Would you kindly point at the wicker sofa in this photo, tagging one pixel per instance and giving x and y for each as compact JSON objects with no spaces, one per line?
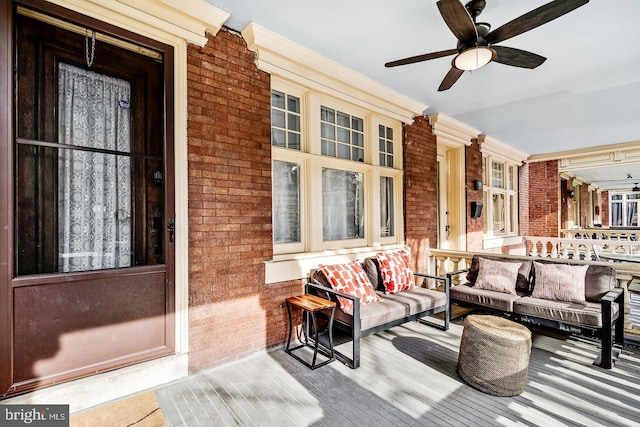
{"x":392,"y":310}
{"x":601,"y":310}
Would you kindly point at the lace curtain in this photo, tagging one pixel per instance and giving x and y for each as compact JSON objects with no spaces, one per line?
{"x":94,"y":188}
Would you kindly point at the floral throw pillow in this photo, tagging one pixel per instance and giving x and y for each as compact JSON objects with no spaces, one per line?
{"x":350,"y":279}
{"x":560,"y":282}
{"x":497,"y":276}
{"x":395,"y":270}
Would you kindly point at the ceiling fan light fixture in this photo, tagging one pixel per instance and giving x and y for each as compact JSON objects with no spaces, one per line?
{"x":474,"y":58}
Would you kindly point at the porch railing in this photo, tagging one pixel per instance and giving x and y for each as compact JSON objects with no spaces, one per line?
{"x":443,"y":261}
{"x":558,"y":247}
{"x":601,"y":234}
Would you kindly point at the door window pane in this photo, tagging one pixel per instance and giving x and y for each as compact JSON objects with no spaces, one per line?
{"x":286,"y":202}
{"x":342,"y":205}
{"x":94,"y":189}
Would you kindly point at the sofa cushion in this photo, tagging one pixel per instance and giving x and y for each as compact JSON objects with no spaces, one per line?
{"x":560,"y":282}
{"x":394,"y":307}
{"x":395,"y":270}
{"x":497,"y":276}
{"x":350,"y":279}
{"x":524,"y":272}
{"x":588,"y":314}
{"x":497,"y":300}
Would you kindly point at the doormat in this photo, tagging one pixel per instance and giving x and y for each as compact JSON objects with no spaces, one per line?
{"x":141,"y":410}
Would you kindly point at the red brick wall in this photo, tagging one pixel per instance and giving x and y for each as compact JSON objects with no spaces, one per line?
{"x":473,"y":171}
{"x":231,"y":311}
{"x":544,"y":190}
{"x":420,"y":188}
{"x":604,"y":209}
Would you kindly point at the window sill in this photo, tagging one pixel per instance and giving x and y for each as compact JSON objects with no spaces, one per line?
{"x":286,"y":267}
{"x":492,"y":242}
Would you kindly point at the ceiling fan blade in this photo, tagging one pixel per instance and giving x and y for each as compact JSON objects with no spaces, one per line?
{"x":452,"y":76}
{"x":420,"y":58}
{"x":517,"y":57}
{"x":458,"y":20}
{"x":533,"y":19}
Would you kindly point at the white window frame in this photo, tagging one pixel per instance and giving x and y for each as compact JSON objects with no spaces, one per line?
{"x":312,"y":162}
{"x":624,"y":201}
{"x":510,"y":195}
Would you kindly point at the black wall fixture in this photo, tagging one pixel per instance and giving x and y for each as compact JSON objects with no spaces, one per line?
{"x":476,"y":209}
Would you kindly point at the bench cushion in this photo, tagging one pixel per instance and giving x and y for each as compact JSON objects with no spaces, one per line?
{"x":588,"y":314}
{"x":496,"y":300}
{"x":394,"y":307}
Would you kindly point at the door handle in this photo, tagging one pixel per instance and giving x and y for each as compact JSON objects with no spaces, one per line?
{"x":171,"y":226}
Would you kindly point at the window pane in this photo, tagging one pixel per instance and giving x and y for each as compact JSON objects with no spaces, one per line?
{"x":277,"y":118}
{"x":357,"y":139}
{"x":277,"y":99}
{"x":327,"y":131}
{"x":327,"y":115}
{"x":343,"y":135}
{"x":498,"y":214}
{"x":293,"y":122}
{"x":357,"y":124}
{"x":497,"y":175}
{"x":357,"y":154}
{"x":386,"y":207}
{"x":341,"y":131}
{"x":294,"y":140}
{"x":286,"y":202}
{"x":278,"y":137}
{"x":386,"y":146}
{"x":342,"y":205}
{"x":328,"y":148}
{"x":344,"y":152}
{"x":293,"y":104}
{"x":513,"y":210}
{"x":285,"y":121}
{"x":343,"y":119}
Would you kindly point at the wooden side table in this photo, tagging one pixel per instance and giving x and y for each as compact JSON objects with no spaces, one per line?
{"x":311,"y":305}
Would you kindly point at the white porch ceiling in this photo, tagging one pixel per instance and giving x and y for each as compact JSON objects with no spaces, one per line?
{"x":586,"y":94}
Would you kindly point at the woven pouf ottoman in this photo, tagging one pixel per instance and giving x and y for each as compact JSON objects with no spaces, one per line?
{"x":494,"y":355}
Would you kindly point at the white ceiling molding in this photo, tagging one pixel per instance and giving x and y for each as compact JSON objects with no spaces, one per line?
{"x":606,"y":155}
{"x":452,"y":132}
{"x":282,"y":57}
{"x":187,"y":19}
{"x":498,"y":149}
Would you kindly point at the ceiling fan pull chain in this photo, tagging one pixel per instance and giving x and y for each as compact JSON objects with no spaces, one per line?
{"x":90,"y":56}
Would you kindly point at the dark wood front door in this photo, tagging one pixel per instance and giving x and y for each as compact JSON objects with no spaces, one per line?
{"x":91,"y":275}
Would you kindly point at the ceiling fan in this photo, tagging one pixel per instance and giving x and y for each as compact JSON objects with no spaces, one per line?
{"x":477,"y":43}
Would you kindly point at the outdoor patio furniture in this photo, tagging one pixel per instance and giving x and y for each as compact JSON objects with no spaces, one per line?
{"x":599,"y":309}
{"x":494,"y":355}
{"x":393,"y":309}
